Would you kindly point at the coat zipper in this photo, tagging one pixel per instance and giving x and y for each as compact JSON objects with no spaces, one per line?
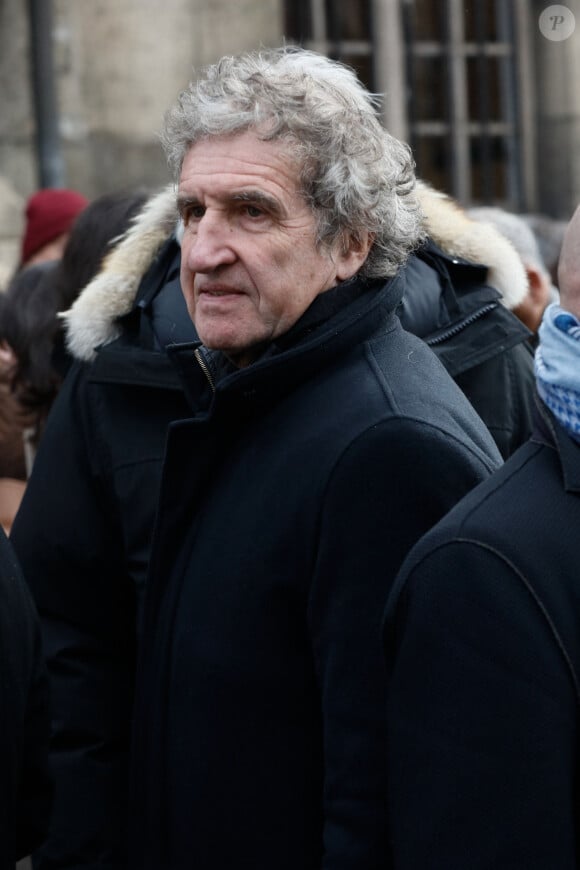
{"x":454,"y":330}
{"x":205,"y":368}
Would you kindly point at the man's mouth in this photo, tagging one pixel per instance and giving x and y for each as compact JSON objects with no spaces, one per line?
{"x":219,"y":291}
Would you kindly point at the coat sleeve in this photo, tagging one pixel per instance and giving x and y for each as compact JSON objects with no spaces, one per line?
{"x":69,"y":547}
{"x":502,"y":392}
{"x":25,"y":786}
{"x":481,"y":718}
{"x":387,"y":489}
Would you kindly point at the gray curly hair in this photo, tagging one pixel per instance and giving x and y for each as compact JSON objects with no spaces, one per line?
{"x":356,"y":177}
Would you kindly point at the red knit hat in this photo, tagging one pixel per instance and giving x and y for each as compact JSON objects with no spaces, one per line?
{"x":49,"y":214}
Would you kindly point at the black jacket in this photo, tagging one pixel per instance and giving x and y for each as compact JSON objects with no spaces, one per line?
{"x":83,"y":535}
{"x":326,"y":461}
{"x":483,"y":644}
{"x":288,"y":501}
{"x":484,"y":347}
{"x":25,"y":787}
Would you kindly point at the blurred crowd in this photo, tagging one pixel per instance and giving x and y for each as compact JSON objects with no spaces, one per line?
{"x":65,"y":240}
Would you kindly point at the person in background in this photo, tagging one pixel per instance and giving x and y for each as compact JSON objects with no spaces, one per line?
{"x":49,"y":216}
{"x":28,"y":322}
{"x":93,"y":236}
{"x":30,"y":326}
{"x":461,"y":289}
{"x":33,"y":355}
{"x":311,"y":441}
{"x":541,"y":291}
{"x":27,"y":311}
{"x":482,"y":637}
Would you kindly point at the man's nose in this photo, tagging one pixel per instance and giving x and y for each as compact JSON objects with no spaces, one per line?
{"x":210,"y":246}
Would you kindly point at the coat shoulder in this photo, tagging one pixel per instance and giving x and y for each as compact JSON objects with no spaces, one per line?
{"x":515,"y":525}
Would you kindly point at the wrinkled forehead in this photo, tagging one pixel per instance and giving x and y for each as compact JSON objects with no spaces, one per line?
{"x":237,"y":167}
{"x":267,"y":130}
{"x":246,"y":151}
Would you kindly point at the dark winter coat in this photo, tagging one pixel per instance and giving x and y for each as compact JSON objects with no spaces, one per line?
{"x":484,"y":347}
{"x":25,"y":787}
{"x":288,"y":502}
{"x":83,"y":535}
{"x":483,"y":645}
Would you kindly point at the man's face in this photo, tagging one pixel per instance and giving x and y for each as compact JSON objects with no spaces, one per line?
{"x":250,"y":266}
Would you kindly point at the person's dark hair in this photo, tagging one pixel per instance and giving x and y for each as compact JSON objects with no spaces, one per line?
{"x":93,"y":234}
{"x":29,"y":322}
{"x":27,"y":326}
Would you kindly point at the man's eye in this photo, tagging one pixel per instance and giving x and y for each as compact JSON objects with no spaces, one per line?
{"x":191,"y":213}
{"x":254,"y":211}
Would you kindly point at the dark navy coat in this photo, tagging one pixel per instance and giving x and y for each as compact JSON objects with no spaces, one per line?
{"x":83,"y":537}
{"x":482,"y":345}
{"x":483,"y":646}
{"x":288,"y":502}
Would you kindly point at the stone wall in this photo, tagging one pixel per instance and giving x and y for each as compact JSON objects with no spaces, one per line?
{"x":119,"y":64}
{"x":557,"y":67}
{"x":16,"y":118}
{"x":11,"y":226}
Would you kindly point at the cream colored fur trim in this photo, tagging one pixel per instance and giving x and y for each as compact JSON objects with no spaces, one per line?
{"x":91,"y":321}
{"x":460,"y":236}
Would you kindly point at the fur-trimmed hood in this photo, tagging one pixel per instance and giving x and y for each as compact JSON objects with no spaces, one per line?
{"x":92,"y":320}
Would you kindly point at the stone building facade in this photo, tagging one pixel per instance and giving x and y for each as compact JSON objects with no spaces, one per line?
{"x":489,"y":103}
{"x":118,"y":65}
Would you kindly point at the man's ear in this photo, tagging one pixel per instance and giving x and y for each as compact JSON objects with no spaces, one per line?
{"x":352,"y":254}
{"x":539,"y":286}
{"x":531,"y":309}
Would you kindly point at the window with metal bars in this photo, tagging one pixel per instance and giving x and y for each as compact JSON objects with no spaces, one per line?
{"x":464,"y":106}
{"x":457,"y":79}
{"x":337,"y":28}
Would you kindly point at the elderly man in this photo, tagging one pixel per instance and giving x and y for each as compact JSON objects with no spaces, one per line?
{"x":483,"y":643}
{"x":319,"y":442}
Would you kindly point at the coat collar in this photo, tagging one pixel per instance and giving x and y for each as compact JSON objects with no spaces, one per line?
{"x":548,"y":431}
{"x":335,"y":323}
